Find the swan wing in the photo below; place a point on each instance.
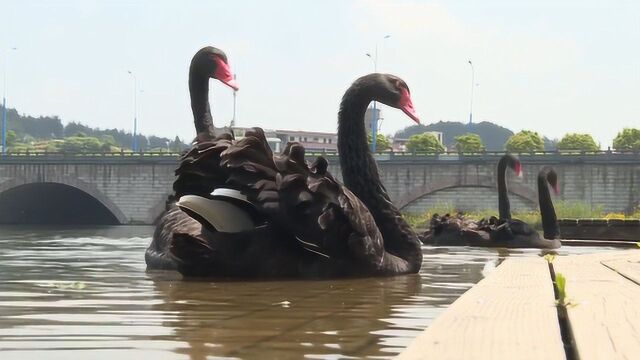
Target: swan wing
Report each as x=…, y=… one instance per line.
x=222, y=215
x=305, y=199
x=199, y=172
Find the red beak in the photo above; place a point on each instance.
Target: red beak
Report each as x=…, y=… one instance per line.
x=224, y=74
x=406, y=105
x=556, y=189
x=518, y=169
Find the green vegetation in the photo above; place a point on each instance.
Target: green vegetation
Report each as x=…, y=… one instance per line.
x=422, y=220
x=581, y=142
x=81, y=143
x=525, y=141
x=382, y=143
x=561, y=286
x=469, y=143
x=577, y=210
x=11, y=137
x=46, y=133
x=424, y=142
x=564, y=210
x=493, y=136
x=627, y=139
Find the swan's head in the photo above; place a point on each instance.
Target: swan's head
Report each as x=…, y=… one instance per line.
x=513, y=163
x=212, y=62
x=392, y=91
x=552, y=179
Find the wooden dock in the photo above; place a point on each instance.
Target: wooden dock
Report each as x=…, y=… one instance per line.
x=514, y=312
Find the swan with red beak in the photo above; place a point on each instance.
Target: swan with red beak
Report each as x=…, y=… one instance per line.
x=406, y=105
x=224, y=74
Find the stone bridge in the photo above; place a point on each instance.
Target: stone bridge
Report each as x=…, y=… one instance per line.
x=119, y=189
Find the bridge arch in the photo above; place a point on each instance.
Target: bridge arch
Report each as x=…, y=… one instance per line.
x=451, y=182
x=67, y=185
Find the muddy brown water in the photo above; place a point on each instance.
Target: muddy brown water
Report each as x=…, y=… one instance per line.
x=84, y=293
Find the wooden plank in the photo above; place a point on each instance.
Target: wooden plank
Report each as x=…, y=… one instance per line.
x=628, y=267
x=511, y=314
x=605, y=315
x=600, y=256
x=616, y=243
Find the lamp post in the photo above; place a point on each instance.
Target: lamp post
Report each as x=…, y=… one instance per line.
x=235, y=93
x=374, y=115
x=134, y=145
x=471, y=101
x=4, y=101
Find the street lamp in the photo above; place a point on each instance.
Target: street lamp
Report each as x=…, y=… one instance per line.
x=235, y=92
x=134, y=145
x=471, y=103
x=374, y=115
x=4, y=101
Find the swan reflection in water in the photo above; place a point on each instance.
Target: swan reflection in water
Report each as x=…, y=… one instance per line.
x=345, y=317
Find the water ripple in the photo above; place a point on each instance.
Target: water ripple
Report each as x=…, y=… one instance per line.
x=84, y=293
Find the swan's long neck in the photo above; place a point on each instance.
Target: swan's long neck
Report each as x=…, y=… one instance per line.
x=547, y=212
x=199, y=91
x=359, y=168
x=360, y=175
x=504, y=207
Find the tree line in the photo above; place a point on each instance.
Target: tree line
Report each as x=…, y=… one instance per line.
x=47, y=133
x=493, y=135
x=525, y=141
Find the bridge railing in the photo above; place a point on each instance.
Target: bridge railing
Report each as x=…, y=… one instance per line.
x=101, y=154
x=546, y=156
x=543, y=156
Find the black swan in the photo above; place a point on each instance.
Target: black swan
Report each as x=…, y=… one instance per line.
x=504, y=231
x=550, y=227
x=306, y=223
x=208, y=62
x=514, y=233
x=457, y=230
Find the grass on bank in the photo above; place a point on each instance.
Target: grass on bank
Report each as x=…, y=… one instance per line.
x=564, y=210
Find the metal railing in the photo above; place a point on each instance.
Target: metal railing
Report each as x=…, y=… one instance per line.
x=91, y=154
x=542, y=156
x=546, y=156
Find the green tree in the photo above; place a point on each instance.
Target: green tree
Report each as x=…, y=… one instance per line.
x=176, y=145
x=11, y=137
x=382, y=143
x=469, y=143
x=583, y=142
x=424, y=142
x=107, y=139
x=493, y=136
x=108, y=143
x=627, y=139
x=22, y=147
x=81, y=143
x=525, y=141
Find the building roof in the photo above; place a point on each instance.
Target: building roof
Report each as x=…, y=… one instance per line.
x=303, y=132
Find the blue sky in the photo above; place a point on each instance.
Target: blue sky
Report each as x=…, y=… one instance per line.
x=550, y=66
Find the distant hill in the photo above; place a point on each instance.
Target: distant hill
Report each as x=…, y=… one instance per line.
x=29, y=128
x=43, y=127
x=493, y=136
